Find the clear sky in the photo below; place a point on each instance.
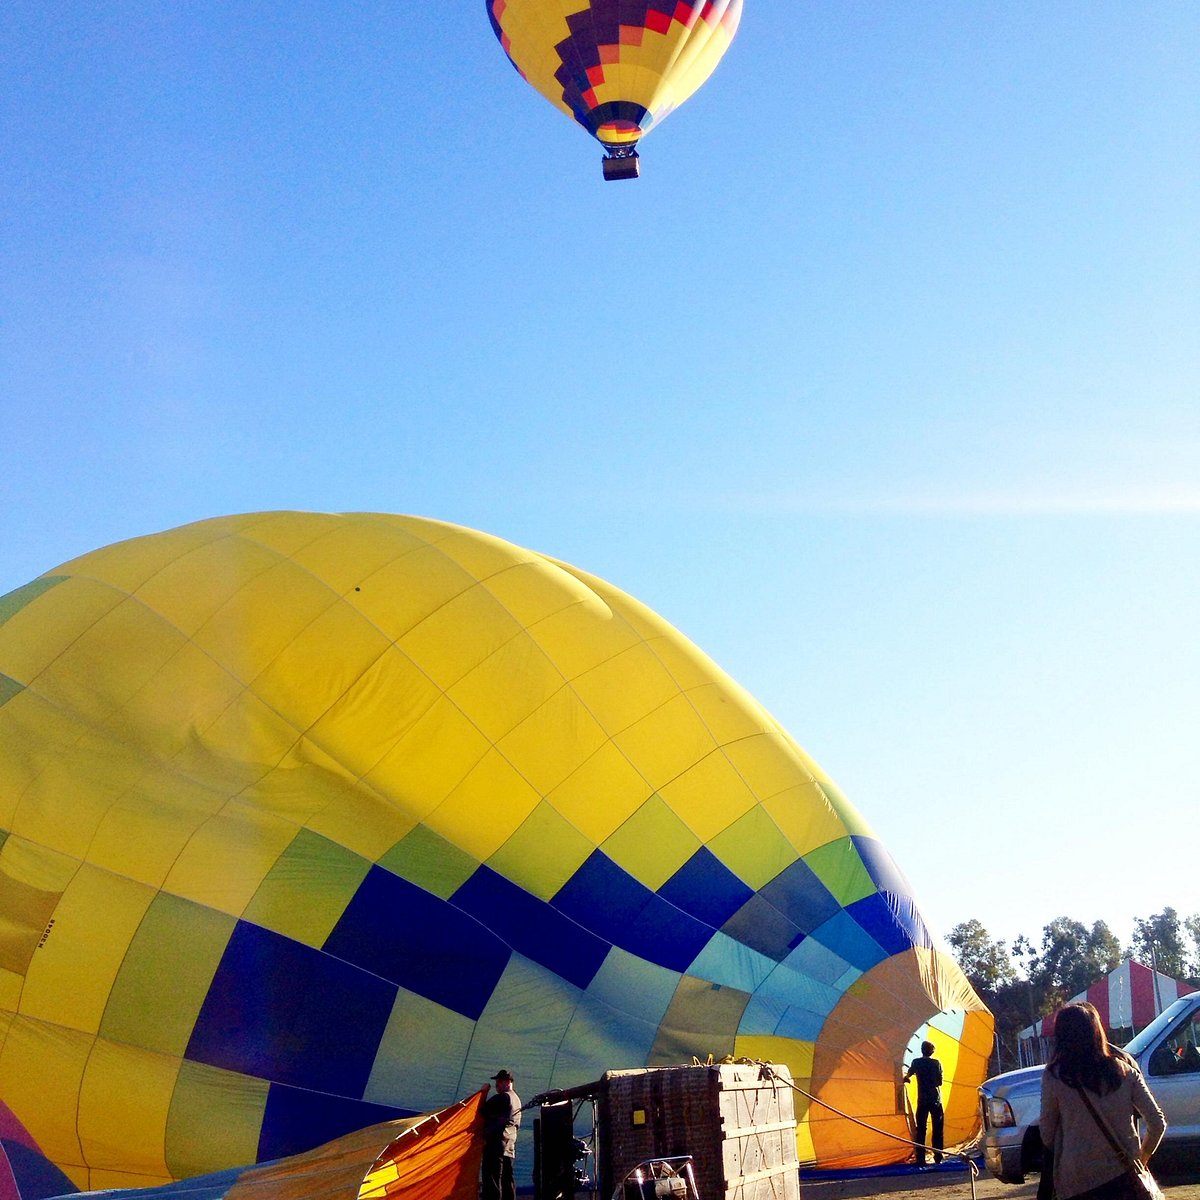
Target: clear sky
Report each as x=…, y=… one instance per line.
x=882, y=383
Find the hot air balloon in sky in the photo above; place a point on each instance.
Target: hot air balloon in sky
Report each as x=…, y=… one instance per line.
x=618, y=67
x=310, y=821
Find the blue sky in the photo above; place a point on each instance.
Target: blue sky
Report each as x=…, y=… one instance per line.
x=882, y=383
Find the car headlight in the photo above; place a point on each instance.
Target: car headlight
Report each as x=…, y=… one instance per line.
x=999, y=1112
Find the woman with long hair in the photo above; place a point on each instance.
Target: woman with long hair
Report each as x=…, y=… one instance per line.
x=1092, y=1097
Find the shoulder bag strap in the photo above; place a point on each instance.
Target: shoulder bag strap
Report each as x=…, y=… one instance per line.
x=1118, y=1149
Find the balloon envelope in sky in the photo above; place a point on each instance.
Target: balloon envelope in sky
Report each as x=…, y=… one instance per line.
x=618, y=67
x=309, y=821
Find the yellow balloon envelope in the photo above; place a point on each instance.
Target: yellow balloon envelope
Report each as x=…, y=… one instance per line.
x=617, y=67
x=311, y=821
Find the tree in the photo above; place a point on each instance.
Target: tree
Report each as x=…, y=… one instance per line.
x=1158, y=942
x=1070, y=959
x=1192, y=924
x=985, y=963
x=988, y=965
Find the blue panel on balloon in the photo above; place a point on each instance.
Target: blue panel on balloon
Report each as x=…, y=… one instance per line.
x=760, y=1017
x=418, y=940
x=731, y=963
x=800, y=896
x=881, y=866
x=35, y=1175
x=762, y=927
x=610, y=902
x=296, y=1120
x=705, y=888
x=885, y=925
x=532, y=927
x=281, y=1010
x=847, y=939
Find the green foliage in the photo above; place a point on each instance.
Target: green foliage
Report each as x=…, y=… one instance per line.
x=1067, y=960
x=1160, y=941
x=987, y=964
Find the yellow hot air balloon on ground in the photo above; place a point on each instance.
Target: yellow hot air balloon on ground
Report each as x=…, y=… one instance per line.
x=309, y=821
x=618, y=67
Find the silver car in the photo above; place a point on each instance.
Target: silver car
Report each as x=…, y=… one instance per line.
x=1167, y=1050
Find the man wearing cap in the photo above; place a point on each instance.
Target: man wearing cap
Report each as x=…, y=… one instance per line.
x=501, y=1116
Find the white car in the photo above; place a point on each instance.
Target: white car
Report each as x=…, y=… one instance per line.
x=1167, y=1050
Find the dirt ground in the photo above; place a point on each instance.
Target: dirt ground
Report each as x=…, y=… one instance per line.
x=955, y=1184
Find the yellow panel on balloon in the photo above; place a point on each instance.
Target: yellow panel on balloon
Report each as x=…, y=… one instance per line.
x=32, y=641
x=608, y=773
x=709, y=796
x=400, y=595
x=582, y=637
x=190, y=588
x=806, y=817
x=794, y=1054
x=667, y=741
x=358, y=818
x=430, y=761
x=129, y=1141
x=765, y=761
x=240, y=745
x=549, y=744
x=187, y=692
x=644, y=686
x=53, y=811
x=371, y=716
x=229, y=856
x=726, y=714
x=35, y=865
x=535, y=591
x=346, y=558
x=85, y=675
x=72, y=974
x=255, y=627
x=19, y=717
x=320, y=665
x=41, y=1067
x=457, y=637
x=146, y=828
x=507, y=687
x=484, y=811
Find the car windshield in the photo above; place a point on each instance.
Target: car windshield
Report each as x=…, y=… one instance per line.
x=1137, y=1044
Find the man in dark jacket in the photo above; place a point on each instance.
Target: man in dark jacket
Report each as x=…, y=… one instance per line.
x=501, y=1117
x=928, y=1072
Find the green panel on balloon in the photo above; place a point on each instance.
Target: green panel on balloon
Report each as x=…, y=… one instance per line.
x=177, y=941
x=543, y=853
x=9, y=688
x=840, y=868
x=652, y=844
x=14, y=601
x=754, y=848
x=308, y=888
x=421, y=1053
x=430, y=861
x=195, y=1143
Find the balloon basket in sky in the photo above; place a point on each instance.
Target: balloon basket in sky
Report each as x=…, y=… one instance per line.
x=616, y=67
x=622, y=165
x=310, y=821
